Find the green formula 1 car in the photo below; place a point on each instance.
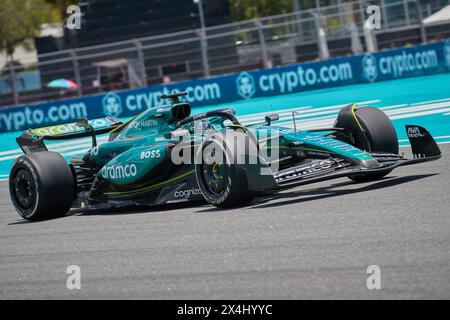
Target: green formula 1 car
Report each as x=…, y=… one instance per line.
x=165, y=155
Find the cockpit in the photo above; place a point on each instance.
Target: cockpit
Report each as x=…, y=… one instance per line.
x=144, y=125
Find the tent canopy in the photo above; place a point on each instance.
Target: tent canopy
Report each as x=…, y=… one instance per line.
x=116, y=63
x=440, y=16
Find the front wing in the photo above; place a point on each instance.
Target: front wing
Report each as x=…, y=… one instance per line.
x=423, y=146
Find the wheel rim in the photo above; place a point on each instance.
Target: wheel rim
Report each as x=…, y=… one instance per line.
x=24, y=189
x=214, y=176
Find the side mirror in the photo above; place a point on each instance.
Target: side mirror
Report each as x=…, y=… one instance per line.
x=271, y=118
x=84, y=123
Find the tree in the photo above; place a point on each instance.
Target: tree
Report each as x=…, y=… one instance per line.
x=20, y=20
x=251, y=9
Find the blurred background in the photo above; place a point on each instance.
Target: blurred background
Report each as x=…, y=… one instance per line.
x=126, y=44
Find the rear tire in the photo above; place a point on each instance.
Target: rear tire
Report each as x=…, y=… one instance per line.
x=223, y=185
x=377, y=135
x=41, y=186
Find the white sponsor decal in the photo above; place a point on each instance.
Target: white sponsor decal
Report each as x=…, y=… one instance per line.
x=151, y=154
x=33, y=117
x=289, y=81
x=187, y=193
x=112, y=106
x=70, y=128
x=149, y=123
x=198, y=93
x=94, y=151
x=119, y=172
x=307, y=169
x=414, y=132
x=398, y=64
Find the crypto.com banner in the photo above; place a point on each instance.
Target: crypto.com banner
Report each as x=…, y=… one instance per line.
x=371, y=67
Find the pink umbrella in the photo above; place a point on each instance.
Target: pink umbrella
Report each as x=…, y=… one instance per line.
x=62, y=84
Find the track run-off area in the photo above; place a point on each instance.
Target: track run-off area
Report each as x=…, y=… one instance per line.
x=424, y=101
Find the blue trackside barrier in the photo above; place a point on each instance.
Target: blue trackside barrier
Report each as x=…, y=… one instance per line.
x=387, y=65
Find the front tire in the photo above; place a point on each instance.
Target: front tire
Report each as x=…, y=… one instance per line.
x=223, y=183
x=41, y=186
x=372, y=131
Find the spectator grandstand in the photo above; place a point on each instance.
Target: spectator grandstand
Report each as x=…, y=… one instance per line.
x=129, y=44
x=106, y=21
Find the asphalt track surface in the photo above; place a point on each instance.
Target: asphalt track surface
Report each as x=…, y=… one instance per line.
x=306, y=243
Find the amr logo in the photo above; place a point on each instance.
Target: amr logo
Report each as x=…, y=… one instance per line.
x=414, y=132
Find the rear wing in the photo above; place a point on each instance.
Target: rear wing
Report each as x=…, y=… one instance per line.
x=32, y=140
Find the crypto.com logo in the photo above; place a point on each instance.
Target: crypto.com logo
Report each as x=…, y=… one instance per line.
x=112, y=105
x=369, y=67
x=447, y=53
x=74, y=20
x=246, y=86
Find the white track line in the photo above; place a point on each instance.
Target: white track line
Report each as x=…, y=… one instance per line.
x=430, y=101
x=326, y=117
x=329, y=120
x=85, y=142
x=400, y=109
x=75, y=151
x=419, y=114
x=420, y=108
x=300, y=110
x=3, y=153
x=57, y=147
x=393, y=114
x=254, y=115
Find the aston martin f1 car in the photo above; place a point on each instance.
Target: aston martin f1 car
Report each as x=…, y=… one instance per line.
x=165, y=155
